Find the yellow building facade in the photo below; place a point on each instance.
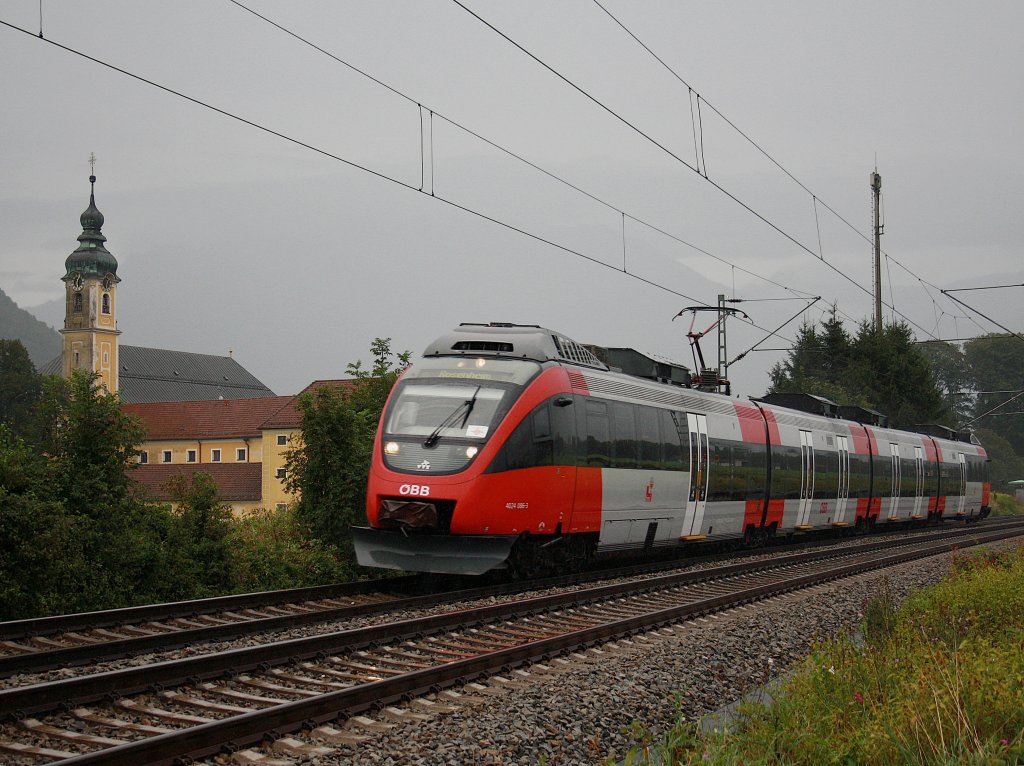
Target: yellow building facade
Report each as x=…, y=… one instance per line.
x=241, y=443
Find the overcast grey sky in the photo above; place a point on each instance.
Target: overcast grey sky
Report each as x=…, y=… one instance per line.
x=230, y=238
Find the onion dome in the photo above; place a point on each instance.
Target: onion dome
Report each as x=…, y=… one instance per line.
x=91, y=257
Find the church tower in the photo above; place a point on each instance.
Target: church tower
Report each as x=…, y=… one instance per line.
x=90, y=316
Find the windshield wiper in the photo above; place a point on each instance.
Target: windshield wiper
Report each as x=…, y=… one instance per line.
x=463, y=409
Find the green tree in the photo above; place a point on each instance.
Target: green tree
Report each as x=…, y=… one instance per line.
x=20, y=386
x=996, y=364
x=199, y=549
x=90, y=447
x=949, y=365
x=886, y=372
x=41, y=548
x=896, y=376
x=819, y=364
x=1006, y=464
x=328, y=469
x=91, y=444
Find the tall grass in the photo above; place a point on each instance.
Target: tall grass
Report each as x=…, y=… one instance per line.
x=940, y=680
x=1006, y=505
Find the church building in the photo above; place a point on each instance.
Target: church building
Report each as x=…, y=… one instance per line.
x=201, y=412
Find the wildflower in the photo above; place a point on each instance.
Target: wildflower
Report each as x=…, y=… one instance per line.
x=859, y=698
x=1004, y=742
x=832, y=669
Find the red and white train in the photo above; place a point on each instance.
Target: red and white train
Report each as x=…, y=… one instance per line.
x=514, y=446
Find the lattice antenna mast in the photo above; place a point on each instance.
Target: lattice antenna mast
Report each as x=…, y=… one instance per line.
x=878, y=226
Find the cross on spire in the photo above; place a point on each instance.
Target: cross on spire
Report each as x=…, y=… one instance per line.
x=92, y=164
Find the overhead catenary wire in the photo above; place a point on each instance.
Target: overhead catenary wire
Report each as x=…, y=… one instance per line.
x=350, y=163
x=518, y=157
x=429, y=140
x=694, y=168
x=817, y=200
x=979, y=313
x=624, y=215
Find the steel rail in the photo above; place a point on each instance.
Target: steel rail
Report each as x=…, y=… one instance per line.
x=249, y=728
x=23, y=700
x=112, y=618
x=16, y=629
x=87, y=653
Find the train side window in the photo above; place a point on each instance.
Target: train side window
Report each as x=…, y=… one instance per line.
x=598, y=445
x=563, y=432
x=721, y=487
x=541, y=423
x=649, y=438
x=624, y=446
x=529, y=445
x=675, y=441
x=860, y=475
x=787, y=474
x=826, y=480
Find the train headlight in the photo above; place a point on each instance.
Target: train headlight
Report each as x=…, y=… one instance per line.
x=481, y=362
x=391, y=448
x=471, y=452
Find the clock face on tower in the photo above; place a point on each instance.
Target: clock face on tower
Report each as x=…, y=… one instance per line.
x=76, y=282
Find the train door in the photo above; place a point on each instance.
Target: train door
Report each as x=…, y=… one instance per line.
x=962, y=502
x=843, y=447
x=803, y=518
x=698, y=497
x=894, y=495
x=919, y=491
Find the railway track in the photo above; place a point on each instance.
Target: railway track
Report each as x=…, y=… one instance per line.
x=42, y=644
x=195, y=707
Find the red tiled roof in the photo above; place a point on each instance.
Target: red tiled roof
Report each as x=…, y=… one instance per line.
x=289, y=416
x=219, y=418
x=235, y=481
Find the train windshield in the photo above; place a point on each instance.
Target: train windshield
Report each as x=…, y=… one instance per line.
x=461, y=398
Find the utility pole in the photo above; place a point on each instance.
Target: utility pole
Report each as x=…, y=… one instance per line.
x=876, y=197
x=723, y=357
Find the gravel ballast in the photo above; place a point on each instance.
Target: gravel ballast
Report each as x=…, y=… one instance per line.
x=580, y=711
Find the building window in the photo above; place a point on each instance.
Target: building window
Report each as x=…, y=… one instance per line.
x=167, y=456
x=282, y=473
x=240, y=454
x=76, y=360
x=78, y=303
x=282, y=439
x=215, y=456
x=190, y=456
x=143, y=457
x=106, y=303
x=281, y=506
x=106, y=359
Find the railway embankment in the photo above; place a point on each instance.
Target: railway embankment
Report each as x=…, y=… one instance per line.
x=938, y=678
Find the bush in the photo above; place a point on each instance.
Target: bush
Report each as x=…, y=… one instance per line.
x=270, y=550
